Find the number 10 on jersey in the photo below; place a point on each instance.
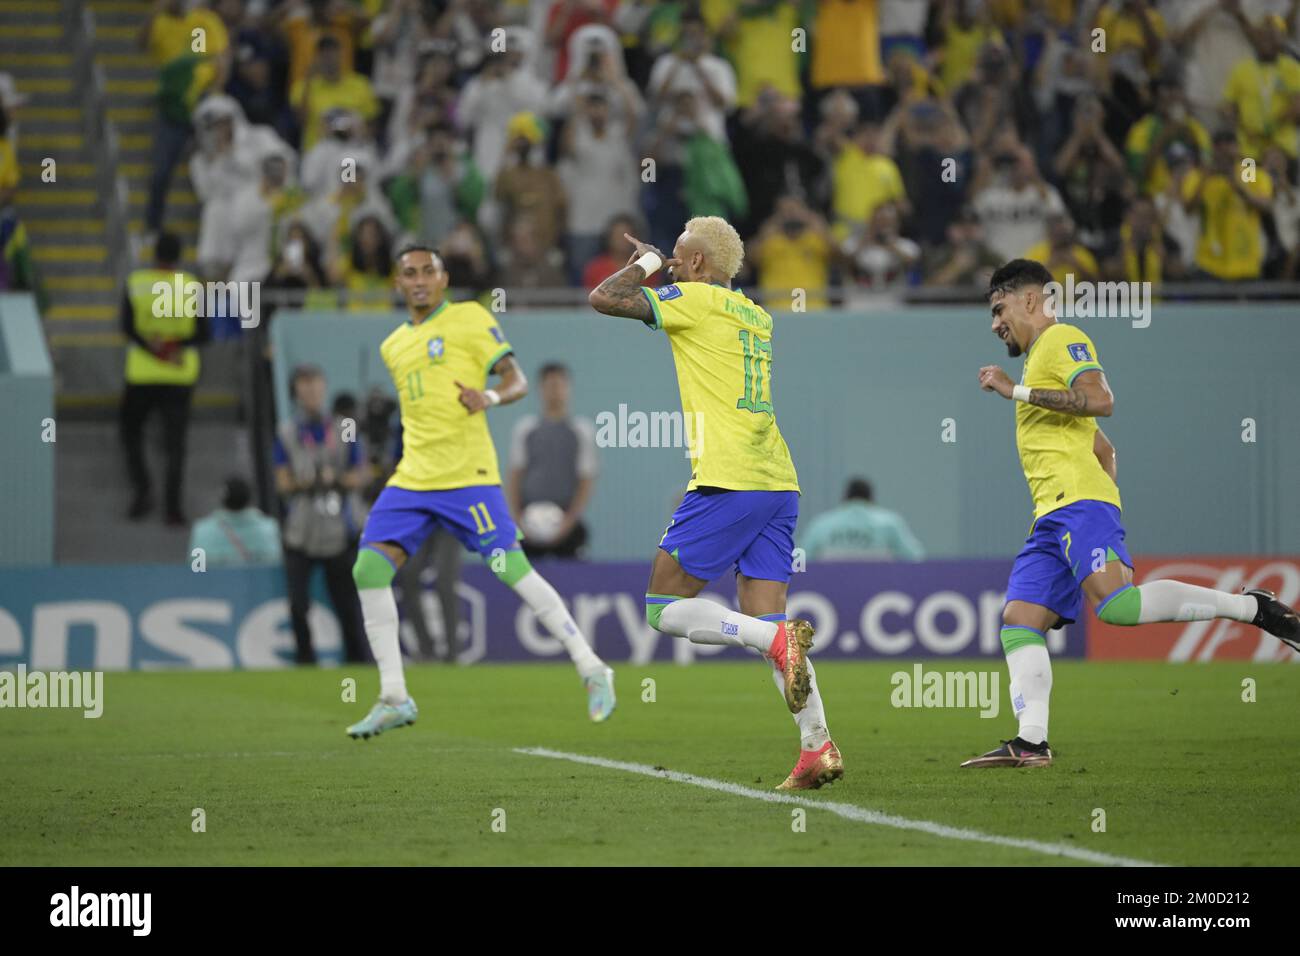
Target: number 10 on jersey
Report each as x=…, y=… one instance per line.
x=758, y=369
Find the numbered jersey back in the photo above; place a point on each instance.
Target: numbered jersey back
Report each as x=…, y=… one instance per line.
x=722, y=347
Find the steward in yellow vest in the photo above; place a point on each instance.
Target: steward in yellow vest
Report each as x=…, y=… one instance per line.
x=155, y=354
x=162, y=367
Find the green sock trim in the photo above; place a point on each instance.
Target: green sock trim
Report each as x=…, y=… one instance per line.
x=654, y=607
x=653, y=612
x=1014, y=638
x=372, y=570
x=517, y=566
x=1124, y=608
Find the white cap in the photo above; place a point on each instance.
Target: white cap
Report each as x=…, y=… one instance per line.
x=9, y=95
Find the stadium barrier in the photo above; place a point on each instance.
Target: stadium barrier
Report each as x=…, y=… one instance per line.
x=838, y=297
x=168, y=617
x=28, y=433
x=1206, y=397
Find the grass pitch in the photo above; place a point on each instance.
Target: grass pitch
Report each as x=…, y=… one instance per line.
x=1186, y=772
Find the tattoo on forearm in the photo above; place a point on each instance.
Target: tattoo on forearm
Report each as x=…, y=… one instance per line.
x=1073, y=401
x=622, y=291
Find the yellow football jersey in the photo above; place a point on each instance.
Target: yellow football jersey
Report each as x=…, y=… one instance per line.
x=1055, y=448
x=1231, y=244
x=443, y=446
x=722, y=347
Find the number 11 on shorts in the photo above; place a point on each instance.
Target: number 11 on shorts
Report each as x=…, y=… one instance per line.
x=482, y=520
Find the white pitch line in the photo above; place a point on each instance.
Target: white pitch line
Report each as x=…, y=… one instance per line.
x=848, y=811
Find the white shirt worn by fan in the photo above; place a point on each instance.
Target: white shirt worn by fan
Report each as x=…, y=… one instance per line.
x=672, y=74
x=1217, y=48
x=1015, y=219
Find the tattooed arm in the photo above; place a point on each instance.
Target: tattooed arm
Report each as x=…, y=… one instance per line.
x=1088, y=397
x=621, y=294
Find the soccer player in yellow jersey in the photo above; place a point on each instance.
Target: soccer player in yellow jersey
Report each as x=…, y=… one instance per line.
x=440, y=361
x=1076, y=544
x=741, y=505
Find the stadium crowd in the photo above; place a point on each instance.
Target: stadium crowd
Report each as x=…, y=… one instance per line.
x=859, y=145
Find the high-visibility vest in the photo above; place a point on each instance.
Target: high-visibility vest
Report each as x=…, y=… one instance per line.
x=174, y=322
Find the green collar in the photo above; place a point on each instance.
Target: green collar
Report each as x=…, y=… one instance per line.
x=431, y=315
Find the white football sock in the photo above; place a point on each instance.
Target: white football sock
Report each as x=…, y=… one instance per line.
x=1176, y=601
x=706, y=622
x=811, y=721
x=379, y=611
x=1031, y=689
x=537, y=593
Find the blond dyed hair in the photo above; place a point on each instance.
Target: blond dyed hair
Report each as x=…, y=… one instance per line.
x=724, y=249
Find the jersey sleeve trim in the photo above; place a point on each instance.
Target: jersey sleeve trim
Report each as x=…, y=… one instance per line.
x=654, y=307
x=1090, y=367
x=498, y=355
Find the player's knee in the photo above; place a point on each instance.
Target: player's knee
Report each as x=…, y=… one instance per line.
x=653, y=612
x=372, y=570
x=1016, y=636
x=655, y=605
x=510, y=567
x=1123, y=608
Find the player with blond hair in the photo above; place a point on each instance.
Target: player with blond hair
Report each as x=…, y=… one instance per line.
x=741, y=505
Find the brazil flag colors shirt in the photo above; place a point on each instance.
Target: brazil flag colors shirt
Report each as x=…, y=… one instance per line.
x=443, y=446
x=722, y=347
x=1056, y=450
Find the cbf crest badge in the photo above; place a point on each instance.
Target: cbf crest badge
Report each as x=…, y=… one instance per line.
x=437, y=349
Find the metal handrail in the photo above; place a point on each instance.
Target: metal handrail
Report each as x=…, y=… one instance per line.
x=836, y=297
x=101, y=137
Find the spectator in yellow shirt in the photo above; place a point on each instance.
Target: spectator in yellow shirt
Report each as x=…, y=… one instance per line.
x=191, y=51
x=1133, y=30
x=846, y=44
x=15, y=255
x=1013, y=16
x=1062, y=255
x=302, y=24
x=1263, y=95
x=863, y=179
x=756, y=37
x=9, y=169
x=170, y=32
x=327, y=87
x=1143, y=249
x=1230, y=200
x=366, y=269
x=1148, y=138
x=965, y=27
x=793, y=252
